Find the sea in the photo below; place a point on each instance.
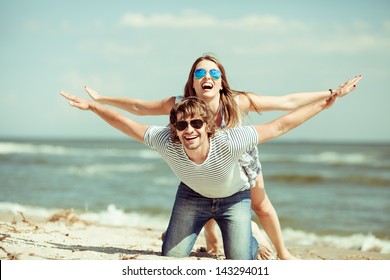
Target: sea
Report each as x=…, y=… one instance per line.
x=325, y=194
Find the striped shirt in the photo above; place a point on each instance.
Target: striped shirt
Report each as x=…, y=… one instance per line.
x=220, y=174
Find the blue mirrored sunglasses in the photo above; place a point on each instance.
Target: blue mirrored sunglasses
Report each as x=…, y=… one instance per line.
x=214, y=73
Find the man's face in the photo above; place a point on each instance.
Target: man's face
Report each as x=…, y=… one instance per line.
x=193, y=136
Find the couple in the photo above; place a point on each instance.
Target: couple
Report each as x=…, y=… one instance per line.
x=207, y=76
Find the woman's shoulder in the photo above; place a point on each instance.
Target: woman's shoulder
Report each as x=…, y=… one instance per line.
x=178, y=98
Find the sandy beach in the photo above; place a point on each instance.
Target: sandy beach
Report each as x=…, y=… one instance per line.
x=65, y=236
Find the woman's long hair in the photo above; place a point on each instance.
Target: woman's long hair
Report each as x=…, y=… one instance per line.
x=231, y=112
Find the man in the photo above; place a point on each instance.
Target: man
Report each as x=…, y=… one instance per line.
x=207, y=162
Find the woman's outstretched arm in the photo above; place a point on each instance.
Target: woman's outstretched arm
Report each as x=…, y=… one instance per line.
x=302, y=114
x=133, y=105
x=291, y=101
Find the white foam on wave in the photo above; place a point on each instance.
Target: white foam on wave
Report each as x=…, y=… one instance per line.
x=15, y=209
x=115, y=216
x=23, y=148
x=335, y=158
x=110, y=216
x=323, y=157
x=104, y=169
x=358, y=241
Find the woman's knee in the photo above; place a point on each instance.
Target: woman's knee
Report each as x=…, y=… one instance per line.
x=260, y=202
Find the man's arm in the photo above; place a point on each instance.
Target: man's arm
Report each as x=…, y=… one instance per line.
x=128, y=126
x=297, y=117
x=291, y=120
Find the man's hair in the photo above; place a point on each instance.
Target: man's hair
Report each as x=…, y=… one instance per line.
x=189, y=108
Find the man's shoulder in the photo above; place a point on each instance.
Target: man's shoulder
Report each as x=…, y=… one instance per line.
x=157, y=133
x=155, y=129
x=236, y=130
x=236, y=134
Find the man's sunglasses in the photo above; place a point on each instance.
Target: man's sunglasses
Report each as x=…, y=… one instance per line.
x=181, y=125
x=214, y=73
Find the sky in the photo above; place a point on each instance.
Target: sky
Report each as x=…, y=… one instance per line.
x=144, y=49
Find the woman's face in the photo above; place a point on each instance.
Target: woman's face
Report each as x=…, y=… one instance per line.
x=207, y=86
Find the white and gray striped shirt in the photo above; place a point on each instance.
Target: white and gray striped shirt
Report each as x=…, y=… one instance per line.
x=220, y=174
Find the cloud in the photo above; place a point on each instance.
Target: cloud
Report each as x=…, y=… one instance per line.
x=346, y=45
x=194, y=19
x=386, y=25
x=74, y=79
x=34, y=26
x=113, y=50
x=185, y=20
x=277, y=34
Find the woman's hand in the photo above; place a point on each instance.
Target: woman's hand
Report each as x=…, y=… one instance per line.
x=347, y=87
x=76, y=101
x=93, y=94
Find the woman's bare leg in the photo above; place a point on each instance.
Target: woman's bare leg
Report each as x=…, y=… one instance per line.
x=212, y=237
x=265, y=250
x=269, y=218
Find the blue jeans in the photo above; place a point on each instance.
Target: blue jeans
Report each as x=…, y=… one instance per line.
x=190, y=213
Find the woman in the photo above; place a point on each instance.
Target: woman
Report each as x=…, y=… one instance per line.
x=229, y=107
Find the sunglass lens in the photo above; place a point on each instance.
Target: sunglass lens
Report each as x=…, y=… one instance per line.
x=196, y=124
x=199, y=73
x=215, y=74
x=181, y=125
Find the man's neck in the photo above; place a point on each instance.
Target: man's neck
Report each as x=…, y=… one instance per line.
x=200, y=154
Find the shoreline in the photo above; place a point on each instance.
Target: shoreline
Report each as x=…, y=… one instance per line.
x=64, y=236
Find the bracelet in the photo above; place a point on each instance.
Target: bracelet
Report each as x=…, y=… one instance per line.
x=331, y=94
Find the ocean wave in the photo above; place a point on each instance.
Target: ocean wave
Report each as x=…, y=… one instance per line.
x=110, y=216
x=57, y=150
x=104, y=169
x=376, y=160
x=358, y=241
x=15, y=209
x=20, y=148
x=296, y=178
x=115, y=216
x=328, y=158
